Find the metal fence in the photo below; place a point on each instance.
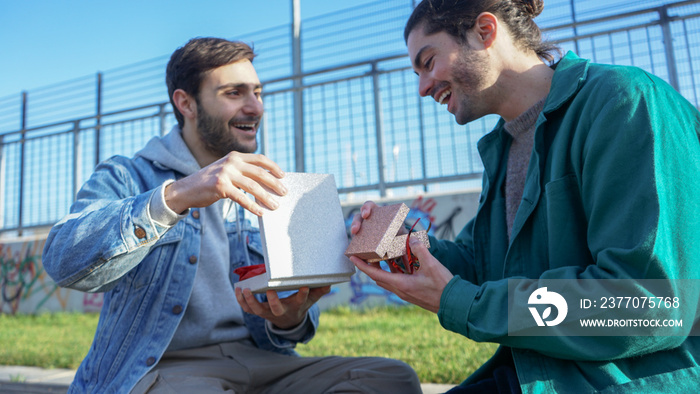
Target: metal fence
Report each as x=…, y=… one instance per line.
x=362, y=119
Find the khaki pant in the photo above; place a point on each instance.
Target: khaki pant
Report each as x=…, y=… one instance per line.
x=240, y=367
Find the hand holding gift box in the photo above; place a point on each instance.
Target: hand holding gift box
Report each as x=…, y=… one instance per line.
x=379, y=239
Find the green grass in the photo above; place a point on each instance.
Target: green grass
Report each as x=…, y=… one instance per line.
x=58, y=340
x=409, y=333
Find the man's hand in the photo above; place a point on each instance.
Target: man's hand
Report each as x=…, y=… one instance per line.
x=423, y=288
x=229, y=177
x=284, y=313
x=365, y=211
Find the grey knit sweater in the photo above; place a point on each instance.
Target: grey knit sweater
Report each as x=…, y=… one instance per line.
x=522, y=129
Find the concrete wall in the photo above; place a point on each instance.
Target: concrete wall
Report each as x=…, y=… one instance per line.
x=25, y=288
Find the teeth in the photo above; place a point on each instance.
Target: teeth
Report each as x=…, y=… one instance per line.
x=242, y=126
x=443, y=96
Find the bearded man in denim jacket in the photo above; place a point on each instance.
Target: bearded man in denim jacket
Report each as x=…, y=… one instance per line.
x=590, y=176
x=161, y=234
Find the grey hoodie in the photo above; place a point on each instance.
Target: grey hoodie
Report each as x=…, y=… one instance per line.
x=212, y=314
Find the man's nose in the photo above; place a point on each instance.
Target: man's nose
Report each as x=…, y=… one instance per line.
x=253, y=106
x=425, y=84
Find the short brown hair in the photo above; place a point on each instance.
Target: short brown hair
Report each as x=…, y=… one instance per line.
x=189, y=64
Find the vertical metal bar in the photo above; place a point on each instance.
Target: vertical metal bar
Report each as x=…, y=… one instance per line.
x=690, y=63
x=262, y=146
x=77, y=154
x=395, y=147
x=379, y=129
x=98, y=118
x=436, y=116
x=324, y=121
x=453, y=138
x=3, y=185
x=351, y=137
x=161, y=118
x=298, y=90
x=22, y=160
x=421, y=131
x=668, y=46
x=651, y=51
x=573, y=19
x=630, y=47
x=338, y=128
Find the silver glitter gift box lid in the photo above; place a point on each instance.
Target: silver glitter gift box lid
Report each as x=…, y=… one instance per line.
x=304, y=239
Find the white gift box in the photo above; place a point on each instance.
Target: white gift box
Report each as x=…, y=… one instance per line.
x=303, y=241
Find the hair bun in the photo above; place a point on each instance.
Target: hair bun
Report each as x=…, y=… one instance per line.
x=533, y=7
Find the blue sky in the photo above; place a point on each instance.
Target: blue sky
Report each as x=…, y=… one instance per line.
x=45, y=42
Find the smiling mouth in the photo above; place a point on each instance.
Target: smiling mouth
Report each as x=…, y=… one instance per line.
x=245, y=126
x=444, y=96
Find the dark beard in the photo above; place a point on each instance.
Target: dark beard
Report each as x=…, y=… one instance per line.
x=468, y=73
x=217, y=138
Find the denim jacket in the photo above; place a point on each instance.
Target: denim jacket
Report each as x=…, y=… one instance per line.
x=109, y=243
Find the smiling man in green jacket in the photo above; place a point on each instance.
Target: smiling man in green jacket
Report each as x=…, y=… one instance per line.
x=591, y=175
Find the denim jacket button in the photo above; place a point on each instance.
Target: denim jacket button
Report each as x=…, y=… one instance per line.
x=150, y=361
x=140, y=233
x=195, y=214
x=177, y=309
x=193, y=259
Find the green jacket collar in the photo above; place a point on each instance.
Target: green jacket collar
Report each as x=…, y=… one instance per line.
x=569, y=69
x=569, y=76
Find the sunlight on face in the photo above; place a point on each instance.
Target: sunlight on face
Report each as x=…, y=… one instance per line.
x=453, y=74
x=229, y=109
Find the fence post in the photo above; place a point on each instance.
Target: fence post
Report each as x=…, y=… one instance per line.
x=77, y=153
x=98, y=118
x=573, y=19
x=298, y=88
x=668, y=46
x=3, y=186
x=161, y=119
x=421, y=129
x=379, y=128
x=21, y=161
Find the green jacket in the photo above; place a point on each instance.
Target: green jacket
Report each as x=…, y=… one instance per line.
x=612, y=191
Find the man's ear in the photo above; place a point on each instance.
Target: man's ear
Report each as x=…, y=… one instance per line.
x=486, y=28
x=185, y=104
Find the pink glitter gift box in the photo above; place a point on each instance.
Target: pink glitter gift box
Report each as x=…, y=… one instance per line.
x=378, y=238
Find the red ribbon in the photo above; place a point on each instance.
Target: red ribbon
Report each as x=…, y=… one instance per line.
x=249, y=271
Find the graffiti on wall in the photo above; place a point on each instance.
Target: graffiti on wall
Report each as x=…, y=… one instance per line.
x=26, y=288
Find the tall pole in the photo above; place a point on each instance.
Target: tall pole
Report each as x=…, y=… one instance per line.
x=22, y=161
x=298, y=92
x=665, y=20
x=98, y=118
x=573, y=19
